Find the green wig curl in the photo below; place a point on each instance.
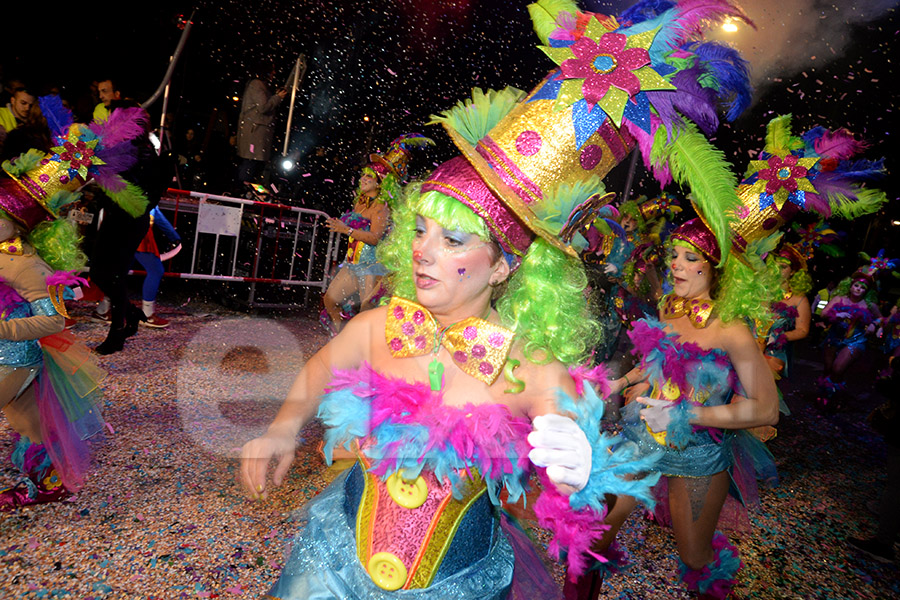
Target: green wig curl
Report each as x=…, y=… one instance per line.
x=747, y=293
x=801, y=283
x=544, y=301
x=57, y=242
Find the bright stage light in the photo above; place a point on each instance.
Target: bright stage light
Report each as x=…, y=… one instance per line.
x=729, y=26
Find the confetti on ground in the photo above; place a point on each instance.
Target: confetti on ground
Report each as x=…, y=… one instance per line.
x=162, y=517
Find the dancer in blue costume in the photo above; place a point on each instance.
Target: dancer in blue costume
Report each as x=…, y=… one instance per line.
x=461, y=387
x=851, y=314
x=49, y=381
x=366, y=224
x=421, y=390
x=708, y=380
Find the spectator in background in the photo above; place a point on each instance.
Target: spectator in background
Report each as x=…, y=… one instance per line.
x=151, y=258
x=16, y=112
x=86, y=102
x=32, y=132
x=119, y=234
x=255, y=132
x=108, y=92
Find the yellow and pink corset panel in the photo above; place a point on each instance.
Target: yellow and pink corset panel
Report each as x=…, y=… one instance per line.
x=406, y=529
x=427, y=472
x=430, y=476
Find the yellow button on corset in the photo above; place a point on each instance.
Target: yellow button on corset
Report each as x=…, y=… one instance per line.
x=671, y=392
x=387, y=571
x=408, y=494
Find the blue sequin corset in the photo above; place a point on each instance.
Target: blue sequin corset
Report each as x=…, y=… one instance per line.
x=683, y=373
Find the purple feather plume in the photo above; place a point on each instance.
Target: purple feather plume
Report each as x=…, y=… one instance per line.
x=732, y=73
x=696, y=15
x=59, y=118
x=124, y=124
x=838, y=144
x=694, y=101
x=118, y=158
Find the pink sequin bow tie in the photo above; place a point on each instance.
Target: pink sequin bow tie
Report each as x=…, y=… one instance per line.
x=697, y=310
x=477, y=347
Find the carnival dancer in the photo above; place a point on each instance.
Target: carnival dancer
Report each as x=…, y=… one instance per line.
x=700, y=359
x=709, y=380
x=48, y=380
x=791, y=313
x=852, y=314
x=629, y=67
x=889, y=334
x=365, y=225
x=424, y=383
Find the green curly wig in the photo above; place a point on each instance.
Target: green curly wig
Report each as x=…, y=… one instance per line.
x=543, y=301
x=632, y=208
x=799, y=282
x=57, y=242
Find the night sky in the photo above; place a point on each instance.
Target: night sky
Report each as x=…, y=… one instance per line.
x=379, y=69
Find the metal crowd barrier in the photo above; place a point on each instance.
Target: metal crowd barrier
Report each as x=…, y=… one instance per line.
x=250, y=241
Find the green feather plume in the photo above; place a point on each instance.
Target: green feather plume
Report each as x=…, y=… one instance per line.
x=475, y=117
x=544, y=14
x=61, y=198
x=132, y=199
x=866, y=202
x=831, y=250
x=757, y=250
x=23, y=163
x=559, y=203
x=694, y=162
x=779, y=140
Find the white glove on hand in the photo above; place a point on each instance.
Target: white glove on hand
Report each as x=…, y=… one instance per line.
x=561, y=446
x=610, y=269
x=656, y=415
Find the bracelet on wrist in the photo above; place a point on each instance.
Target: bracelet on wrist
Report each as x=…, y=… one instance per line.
x=625, y=377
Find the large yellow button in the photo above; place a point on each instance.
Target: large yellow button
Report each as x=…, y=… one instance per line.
x=387, y=571
x=408, y=494
x=670, y=390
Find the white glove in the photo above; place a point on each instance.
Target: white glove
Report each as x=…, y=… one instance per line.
x=657, y=414
x=561, y=446
x=610, y=269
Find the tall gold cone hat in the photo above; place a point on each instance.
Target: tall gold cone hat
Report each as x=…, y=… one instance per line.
x=533, y=150
x=546, y=156
x=807, y=173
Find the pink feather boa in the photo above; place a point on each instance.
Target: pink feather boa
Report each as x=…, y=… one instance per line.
x=480, y=434
x=574, y=531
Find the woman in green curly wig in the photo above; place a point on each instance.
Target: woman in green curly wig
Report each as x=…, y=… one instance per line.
x=704, y=384
x=791, y=313
x=543, y=301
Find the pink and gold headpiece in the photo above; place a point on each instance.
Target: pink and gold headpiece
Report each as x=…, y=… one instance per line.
x=544, y=155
